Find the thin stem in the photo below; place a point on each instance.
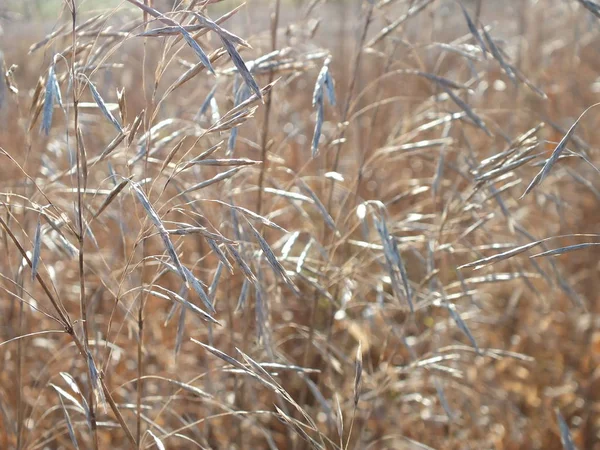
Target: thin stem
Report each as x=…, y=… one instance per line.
x=265, y=129
x=20, y=379
x=140, y=316
x=81, y=235
x=351, y=87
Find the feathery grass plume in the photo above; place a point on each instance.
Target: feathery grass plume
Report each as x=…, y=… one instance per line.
x=155, y=219
x=241, y=67
x=48, y=38
x=49, y=100
x=320, y=206
x=468, y=111
x=318, y=127
x=497, y=54
x=272, y=260
x=110, y=148
x=58, y=95
x=543, y=173
x=523, y=79
x=122, y=101
x=217, y=178
x=137, y=122
x=242, y=263
x=37, y=247
x=393, y=260
x=102, y=105
x=191, y=73
x=450, y=84
x=324, y=83
x=197, y=287
x=240, y=94
x=111, y=196
x=223, y=33
x=152, y=215
x=473, y=29
x=402, y=268
x=220, y=253
x=498, y=171
x=246, y=100
x=184, y=33
x=212, y=289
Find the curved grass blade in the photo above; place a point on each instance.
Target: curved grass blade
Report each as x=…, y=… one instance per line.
x=157, y=441
x=170, y=295
x=272, y=260
x=543, y=173
x=37, y=247
x=567, y=249
x=69, y=424
x=186, y=35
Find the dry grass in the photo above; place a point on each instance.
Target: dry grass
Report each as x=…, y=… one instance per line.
x=324, y=246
